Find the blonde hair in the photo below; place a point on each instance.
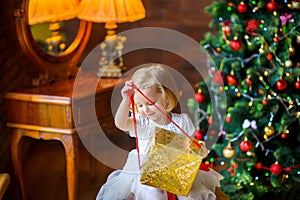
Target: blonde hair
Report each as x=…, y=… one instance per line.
x=158, y=77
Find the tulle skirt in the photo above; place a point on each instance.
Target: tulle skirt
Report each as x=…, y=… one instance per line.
x=125, y=185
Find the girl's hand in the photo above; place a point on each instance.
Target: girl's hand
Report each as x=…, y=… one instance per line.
x=204, y=151
x=127, y=90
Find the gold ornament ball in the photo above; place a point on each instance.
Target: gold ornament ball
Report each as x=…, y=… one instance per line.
x=295, y=5
x=250, y=153
x=298, y=39
x=261, y=50
x=288, y=63
x=269, y=130
x=228, y=152
x=292, y=50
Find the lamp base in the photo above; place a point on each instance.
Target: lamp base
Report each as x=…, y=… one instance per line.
x=111, y=60
x=111, y=71
x=55, y=43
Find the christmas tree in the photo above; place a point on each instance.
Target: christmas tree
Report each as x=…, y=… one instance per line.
x=255, y=49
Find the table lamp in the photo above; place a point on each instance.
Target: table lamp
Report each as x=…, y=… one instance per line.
x=52, y=11
x=111, y=12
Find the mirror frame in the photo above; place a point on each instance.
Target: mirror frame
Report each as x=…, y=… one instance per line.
x=51, y=67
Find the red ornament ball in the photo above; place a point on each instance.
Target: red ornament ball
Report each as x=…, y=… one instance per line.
x=276, y=39
x=281, y=85
x=210, y=120
x=242, y=7
x=258, y=165
x=265, y=101
x=276, y=169
x=218, y=77
x=226, y=30
x=297, y=85
x=231, y=79
x=252, y=25
x=248, y=80
x=200, y=97
x=260, y=91
x=236, y=45
x=212, y=132
x=245, y=145
x=228, y=119
x=270, y=56
x=272, y=6
x=283, y=135
x=227, y=23
x=199, y=135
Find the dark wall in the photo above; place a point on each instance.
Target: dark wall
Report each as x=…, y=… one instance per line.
x=185, y=16
x=14, y=71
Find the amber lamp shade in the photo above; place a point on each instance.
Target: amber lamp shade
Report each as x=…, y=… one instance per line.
x=111, y=12
x=41, y=11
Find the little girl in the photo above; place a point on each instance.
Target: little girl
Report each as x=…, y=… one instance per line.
x=158, y=85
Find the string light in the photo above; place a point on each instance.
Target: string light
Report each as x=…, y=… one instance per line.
x=262, y=86
x=266, y=174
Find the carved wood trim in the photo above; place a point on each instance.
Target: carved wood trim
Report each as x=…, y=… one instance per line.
x=51, y=68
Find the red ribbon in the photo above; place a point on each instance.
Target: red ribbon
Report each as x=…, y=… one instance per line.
x=171, y=196
x=260, y=166
x=232, y=168
x=135, y=128
x=205, y=167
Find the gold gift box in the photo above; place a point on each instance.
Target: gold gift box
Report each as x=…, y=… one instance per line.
x=172, y=164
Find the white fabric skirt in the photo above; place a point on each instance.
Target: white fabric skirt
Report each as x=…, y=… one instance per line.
x=125, y=185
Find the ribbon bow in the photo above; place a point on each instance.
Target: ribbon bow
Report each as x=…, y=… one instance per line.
x=247, y=124
x=286, y=18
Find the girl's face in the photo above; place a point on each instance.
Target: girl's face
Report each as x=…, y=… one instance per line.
x=146, y=109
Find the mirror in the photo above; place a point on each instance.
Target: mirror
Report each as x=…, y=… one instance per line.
x=55, y=38
x=51, y=67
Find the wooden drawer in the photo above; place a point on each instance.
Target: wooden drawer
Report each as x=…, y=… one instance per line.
x=45, y=114
x=51, y=105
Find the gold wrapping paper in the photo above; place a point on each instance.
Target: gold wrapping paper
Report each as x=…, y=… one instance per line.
x=172, y=163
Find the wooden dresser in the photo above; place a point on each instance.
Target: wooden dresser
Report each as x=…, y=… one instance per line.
x=46, y=113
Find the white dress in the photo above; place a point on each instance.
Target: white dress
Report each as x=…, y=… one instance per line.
x=125, y=184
